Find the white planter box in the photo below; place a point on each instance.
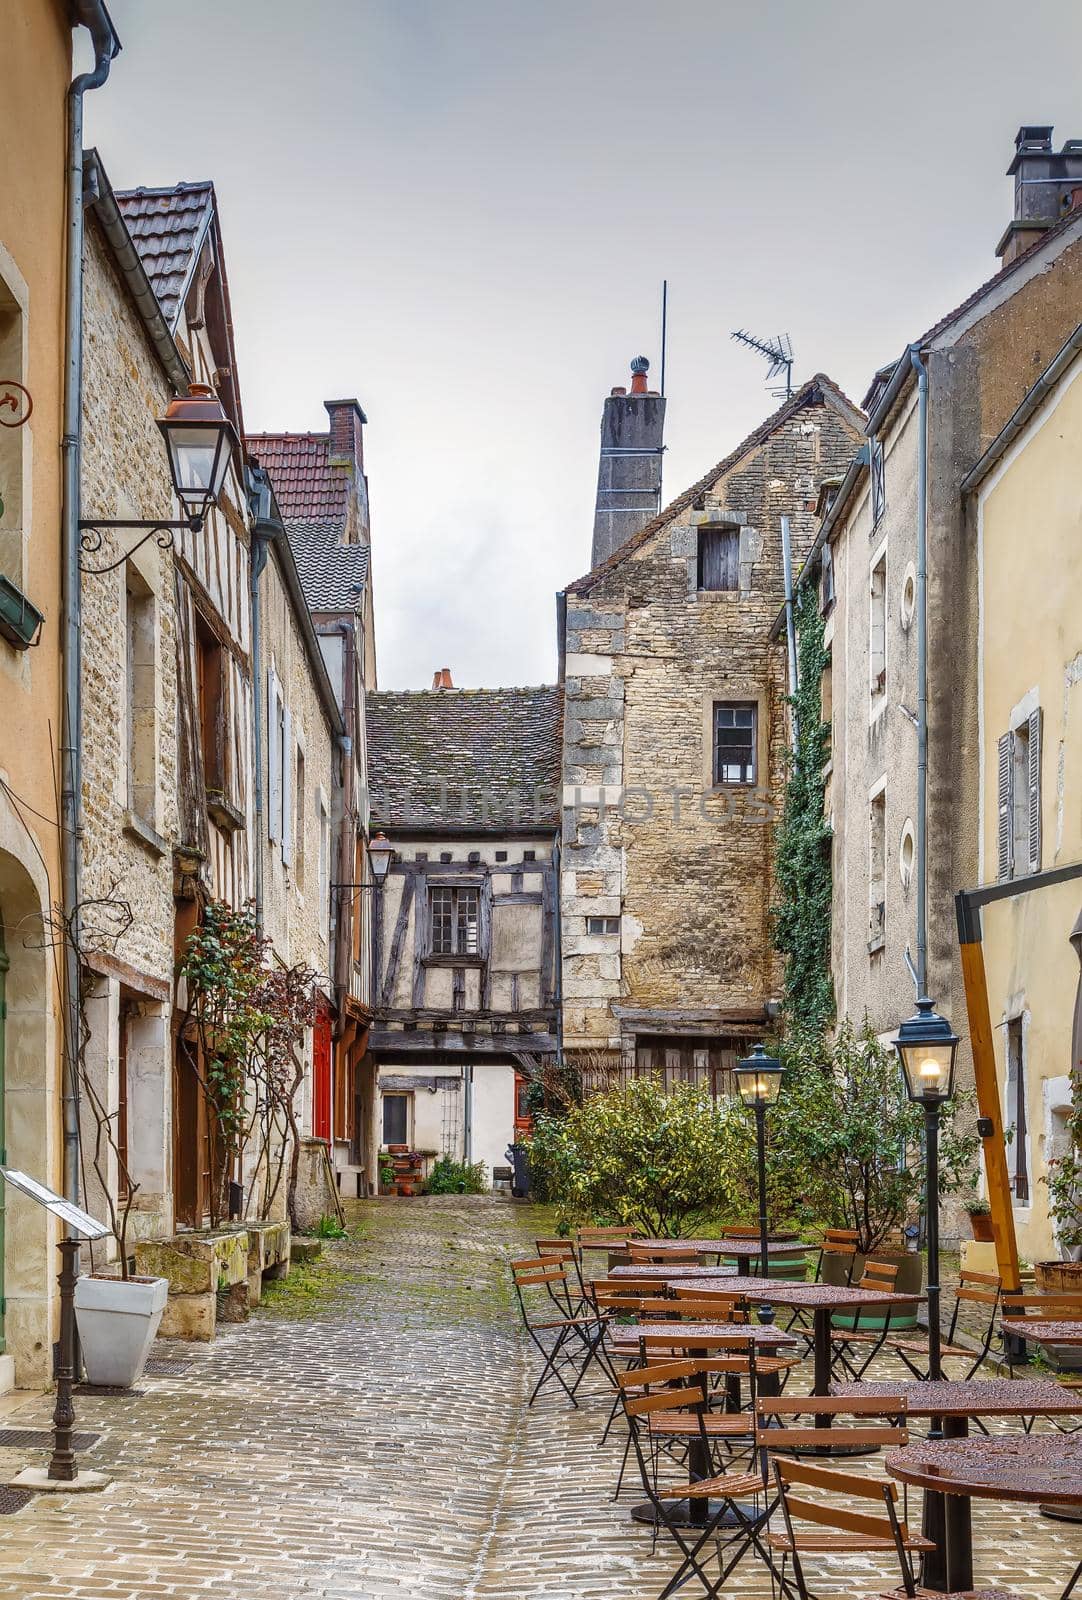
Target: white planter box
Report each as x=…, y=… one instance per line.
x=117, y=1322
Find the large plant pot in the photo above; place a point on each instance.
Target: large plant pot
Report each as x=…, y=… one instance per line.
x=1058, y=1276
x=117, y=1321
x=910, y=1280
x=982, y=1226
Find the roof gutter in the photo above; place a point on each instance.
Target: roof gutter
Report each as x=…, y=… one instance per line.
x=99, y=194
x=90, y=14
x=901, y=376
x=1029, y=404
x=916, y=365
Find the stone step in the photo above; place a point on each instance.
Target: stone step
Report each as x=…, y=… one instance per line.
x=305, y=1249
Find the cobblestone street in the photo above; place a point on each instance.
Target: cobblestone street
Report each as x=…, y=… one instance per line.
x=364, y=1436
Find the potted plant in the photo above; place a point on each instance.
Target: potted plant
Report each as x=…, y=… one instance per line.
x=980, y=1220
x=1064, y=1180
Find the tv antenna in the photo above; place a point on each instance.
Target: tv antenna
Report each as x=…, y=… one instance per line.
x=779, y=353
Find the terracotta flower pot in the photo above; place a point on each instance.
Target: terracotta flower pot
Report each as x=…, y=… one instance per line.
x=1061, y=1276
x=981, y=1224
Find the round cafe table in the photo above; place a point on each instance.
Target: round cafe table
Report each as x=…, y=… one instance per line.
x=947, y=1519
x=1033, y=1469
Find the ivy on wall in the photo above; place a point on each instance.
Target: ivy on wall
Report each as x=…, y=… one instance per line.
x=801, y=913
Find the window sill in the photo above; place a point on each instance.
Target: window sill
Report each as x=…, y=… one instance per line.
x=452, y=960
x=223, y=812
x=722, y=594
x=143, y=834
x=876, y=945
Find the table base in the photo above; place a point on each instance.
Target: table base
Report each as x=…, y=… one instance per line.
x=692, y=1514
x=1062, y=1513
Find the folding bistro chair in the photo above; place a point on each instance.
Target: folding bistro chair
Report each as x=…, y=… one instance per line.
x=570, y=1341
x=668, y=1486
x=846, y=1529
x=646, y=1252
x=847, y=1342
x=974, y=1288
x=841, y=1242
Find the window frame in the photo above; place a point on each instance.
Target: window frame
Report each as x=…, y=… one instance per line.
x=877, y=469
x=730, y=566
x=878, y=575
x=749, y=782
x=404, y=1097
x=603, y=933
x=459, y=895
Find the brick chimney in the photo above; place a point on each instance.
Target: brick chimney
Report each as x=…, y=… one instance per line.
x=629, y=474
x=347, y=422
x=1046, y=183
x=441, y=678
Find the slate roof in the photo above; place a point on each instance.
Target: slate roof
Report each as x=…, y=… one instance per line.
x=484, y=758
x=305, y=486
x=167, y=227
x=333, y=575
x=819, y=388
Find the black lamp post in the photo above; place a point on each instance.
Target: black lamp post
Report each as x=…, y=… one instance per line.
x=927, y=1048
x=758, y=1078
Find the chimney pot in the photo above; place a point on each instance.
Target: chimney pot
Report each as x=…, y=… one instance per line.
x=640, y=366
x=441, y=678
x=618, y=390
x=629, y=472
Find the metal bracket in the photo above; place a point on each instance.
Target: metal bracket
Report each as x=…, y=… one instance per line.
x=160, y=529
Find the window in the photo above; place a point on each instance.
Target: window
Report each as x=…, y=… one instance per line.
x=141, y=733
x=877, y=631
x=1019, y=797
x=454, y=915
x=396, y=1119
x=719, y=557
x=281, y=770
x=300, y=814
x=602, y=924
x=1017, y=1152
x=879, y=489
x=210, y=689
x=877, y=871
x=735, y=741
x=324, y=865
x=827, y=594
x=14, y=441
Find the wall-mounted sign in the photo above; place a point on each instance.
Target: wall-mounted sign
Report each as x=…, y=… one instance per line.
x=66, y=1210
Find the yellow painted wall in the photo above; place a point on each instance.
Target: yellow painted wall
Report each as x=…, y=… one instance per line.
x=1030, y=545
x=35, y=70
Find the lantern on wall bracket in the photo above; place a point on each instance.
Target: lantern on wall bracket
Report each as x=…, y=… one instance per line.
x=199, y=444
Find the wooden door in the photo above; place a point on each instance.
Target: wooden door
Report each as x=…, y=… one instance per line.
x=191, y=1140
x=321, y=1074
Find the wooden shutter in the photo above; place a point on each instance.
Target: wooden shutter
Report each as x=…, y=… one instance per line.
x=1006, y=829
x=287, y=786
x=274, y=763
x=1034, y=780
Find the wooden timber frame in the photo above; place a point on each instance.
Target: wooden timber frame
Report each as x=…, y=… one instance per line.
x=968, y=904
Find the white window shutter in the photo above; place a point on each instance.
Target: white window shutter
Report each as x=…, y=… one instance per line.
x=287, y=786
x=1006, y=820
x=274, y=758
x=1034, y=777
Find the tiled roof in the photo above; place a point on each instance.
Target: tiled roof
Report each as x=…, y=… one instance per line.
x=817, y=389
x=305, y=485
x=167, y=227
x=333, y=575
x=465, y=757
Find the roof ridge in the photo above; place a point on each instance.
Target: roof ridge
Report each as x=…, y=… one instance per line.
x=788, y=408
x=185, y=184
x=503, y=688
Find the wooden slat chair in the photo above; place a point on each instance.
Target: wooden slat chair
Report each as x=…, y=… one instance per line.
x=668, y=1391
x=571, y=1340
x=646, y=1253
x=565, y=1251
x=842, y=1242
x=602, y=1239
x=847, y=1342
x=974, y=1288
x=711, y=1304
x=739, y=1363
x=1038, y=1306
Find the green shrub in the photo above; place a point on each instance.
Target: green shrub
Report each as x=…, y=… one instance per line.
x=330, y=1228
x=457, y=1177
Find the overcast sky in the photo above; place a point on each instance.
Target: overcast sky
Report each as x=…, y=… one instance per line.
x=461, y=211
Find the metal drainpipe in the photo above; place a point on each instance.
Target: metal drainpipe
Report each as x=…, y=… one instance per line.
x=92, y=15
x=260, y=545
x=790, y=630
x=922, y=668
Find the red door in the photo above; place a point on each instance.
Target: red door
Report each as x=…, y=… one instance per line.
x=523, y=1115
x=321, y=1074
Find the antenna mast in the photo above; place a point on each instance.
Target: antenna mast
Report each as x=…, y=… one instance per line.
x=778, y=352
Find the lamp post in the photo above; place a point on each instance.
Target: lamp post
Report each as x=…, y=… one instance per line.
x=927, y=1048
x=758, y=1078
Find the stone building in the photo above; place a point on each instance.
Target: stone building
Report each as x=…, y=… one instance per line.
x=673, y=751
x=979, y=361
x=1024, y=526
x=34, y=224
x=320, y=486
x=465, y=785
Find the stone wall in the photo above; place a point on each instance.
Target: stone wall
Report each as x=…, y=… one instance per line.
x=648, y=838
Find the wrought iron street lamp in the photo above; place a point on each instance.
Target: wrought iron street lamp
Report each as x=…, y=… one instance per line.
x=927, y=1048
x=199, y=443
x=380, y=856
x=758, y=1079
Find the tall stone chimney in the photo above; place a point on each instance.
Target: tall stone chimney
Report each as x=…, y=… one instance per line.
x=1046, y=186
x=629, y=475
x=346, y=422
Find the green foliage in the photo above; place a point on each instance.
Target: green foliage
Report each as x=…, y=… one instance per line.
x=635, y=1155
x=329, y=1227
x=1064, y=1178
x=457, y=1177
x=978, y=1208
x=801, y=914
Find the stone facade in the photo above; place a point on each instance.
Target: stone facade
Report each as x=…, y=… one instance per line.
x=666, y=869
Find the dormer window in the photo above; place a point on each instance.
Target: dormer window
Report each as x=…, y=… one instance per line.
x=719, y=556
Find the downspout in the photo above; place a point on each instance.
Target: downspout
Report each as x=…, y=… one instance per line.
x=922, y=669
x=790, y=631
x=558, y=985
x=261, y=537
x=92, y=15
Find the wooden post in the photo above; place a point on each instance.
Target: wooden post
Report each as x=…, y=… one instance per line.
x=987, y=1086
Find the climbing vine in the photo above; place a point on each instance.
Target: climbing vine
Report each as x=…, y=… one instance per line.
x=801, y=914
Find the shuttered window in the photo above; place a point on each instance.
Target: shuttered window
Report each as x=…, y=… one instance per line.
x=719, y=557
x=1018, y=798
x=879, y=482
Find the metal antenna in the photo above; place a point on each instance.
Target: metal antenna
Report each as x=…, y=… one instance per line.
x=779, y=353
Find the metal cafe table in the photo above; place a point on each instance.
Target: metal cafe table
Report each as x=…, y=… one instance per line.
x=946, y=1511
x=1045, y=1469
